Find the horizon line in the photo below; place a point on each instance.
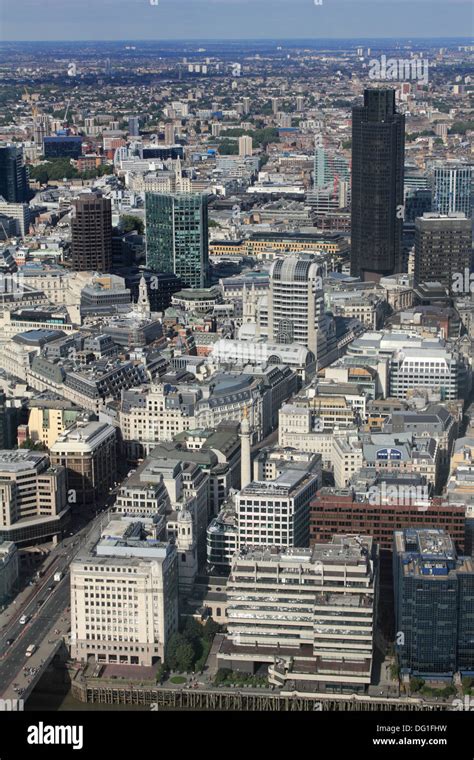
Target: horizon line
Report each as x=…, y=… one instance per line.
x=238, y=39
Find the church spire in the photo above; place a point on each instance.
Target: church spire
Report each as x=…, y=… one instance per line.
x=143, y=304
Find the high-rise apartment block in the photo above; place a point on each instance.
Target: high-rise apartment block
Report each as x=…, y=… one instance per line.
x=169, y=134
x=245, y=145
x=41, y=129
x=134, y=126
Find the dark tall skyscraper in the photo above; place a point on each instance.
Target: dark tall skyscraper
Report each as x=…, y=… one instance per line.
x=378, y=148
x=177, y=236
x=91, y=226
x=13, y=181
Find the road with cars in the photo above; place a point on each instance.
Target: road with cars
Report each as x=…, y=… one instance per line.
x=42, y=603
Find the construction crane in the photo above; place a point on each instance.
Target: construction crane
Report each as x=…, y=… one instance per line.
x=68, y=103
x=29, y=99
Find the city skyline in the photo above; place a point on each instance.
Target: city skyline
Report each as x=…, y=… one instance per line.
x=237, y=364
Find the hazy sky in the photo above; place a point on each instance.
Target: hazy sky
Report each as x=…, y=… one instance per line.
x=237, y=19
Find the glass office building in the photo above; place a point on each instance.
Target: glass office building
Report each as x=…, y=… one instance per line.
x=62, y=147
x=163, y=152
x=453, y=189
x=329, y=166
x=13, y=179
x=177, y=236
x=417, y=203
x=434, y=604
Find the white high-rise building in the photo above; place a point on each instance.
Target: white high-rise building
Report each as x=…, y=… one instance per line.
x=296, y=303
x=453, y=188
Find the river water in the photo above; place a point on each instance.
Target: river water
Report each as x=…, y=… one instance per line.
x=64, y=701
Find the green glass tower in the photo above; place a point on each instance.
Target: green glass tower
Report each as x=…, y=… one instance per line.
x=177, y=236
